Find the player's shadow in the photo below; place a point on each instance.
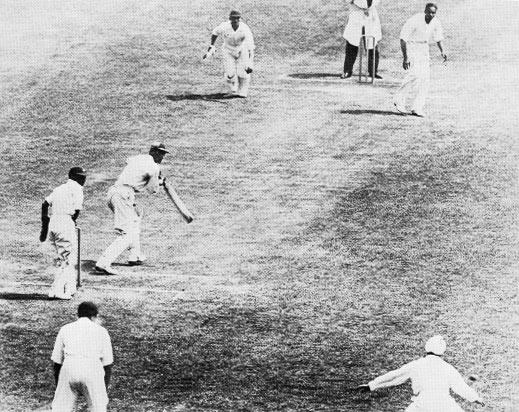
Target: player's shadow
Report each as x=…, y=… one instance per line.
x=371, y=111
x=313, y=75
x=210, y=96
x=23, y=296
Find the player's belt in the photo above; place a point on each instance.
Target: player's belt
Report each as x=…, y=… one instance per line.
x=417, y=42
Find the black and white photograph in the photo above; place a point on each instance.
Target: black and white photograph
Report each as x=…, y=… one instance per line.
x=249, y=206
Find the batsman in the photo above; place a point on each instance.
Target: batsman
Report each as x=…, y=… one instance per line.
x=237, y=53
x=142, y=172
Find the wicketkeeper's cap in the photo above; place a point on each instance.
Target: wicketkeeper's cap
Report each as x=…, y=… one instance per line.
x=77, y=171
x=436, y=345
x=159, y=146
x=234, y=13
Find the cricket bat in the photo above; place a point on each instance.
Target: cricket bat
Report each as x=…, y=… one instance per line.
x=179, y=204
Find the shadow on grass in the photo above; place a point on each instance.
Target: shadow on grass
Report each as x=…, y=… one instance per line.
x=313, y=75
x=23, y=296
x=211, y=97
x=371, y=111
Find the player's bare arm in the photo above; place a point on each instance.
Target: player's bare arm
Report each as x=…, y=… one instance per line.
x=440, y=47
x=403, y=46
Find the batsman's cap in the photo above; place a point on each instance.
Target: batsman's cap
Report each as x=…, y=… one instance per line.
x=436, y=345
x=77, y=171
x=159, y=146
x=234, y=13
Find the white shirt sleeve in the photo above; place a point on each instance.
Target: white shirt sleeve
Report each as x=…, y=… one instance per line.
x=218, y=30
x=460, y=387
x=407, y=29
x=393, y=378
x=249, y=39
x=78, y=199
x=58, y=354
x=107, y=357
x=50, y=198
x=437, y=34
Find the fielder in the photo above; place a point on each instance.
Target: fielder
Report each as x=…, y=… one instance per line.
x=83, y=359
x=66, y=202
x=237, y=51
x=141, y=172
x=432, y=379
x=414, y=42
x=362, y=20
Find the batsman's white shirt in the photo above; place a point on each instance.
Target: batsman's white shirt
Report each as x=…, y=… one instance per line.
x=237, y=41
x=140, y=172
x=82, y=348
x=432, y=379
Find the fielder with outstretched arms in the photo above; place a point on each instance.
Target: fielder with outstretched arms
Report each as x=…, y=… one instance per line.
x=237, y=53
x=66, y=202
x=432, y=379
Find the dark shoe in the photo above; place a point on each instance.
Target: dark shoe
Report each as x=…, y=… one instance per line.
x=135, y=262
x=417, y=114
x=345, y=75
x=377, y=76
x=108, y=270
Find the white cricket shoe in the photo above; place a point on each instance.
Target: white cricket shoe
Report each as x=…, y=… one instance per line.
x=400, y=108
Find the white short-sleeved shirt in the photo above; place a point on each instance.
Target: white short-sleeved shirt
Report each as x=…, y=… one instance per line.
x=416, y=30
x=237, y=40
x=66, y=198
x=83, y=339
x=140, y=171
x=357, y=20
x=431, y=378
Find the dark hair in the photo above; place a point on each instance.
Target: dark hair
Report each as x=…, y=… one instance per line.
x=87, y=310
x=428, y=5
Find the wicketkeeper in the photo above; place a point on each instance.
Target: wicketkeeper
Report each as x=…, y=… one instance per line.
x=237, y=53
x=66, y=202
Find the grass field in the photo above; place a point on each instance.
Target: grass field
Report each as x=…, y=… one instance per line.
x=332, y=238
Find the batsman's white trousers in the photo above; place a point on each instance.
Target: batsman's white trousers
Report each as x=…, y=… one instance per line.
x=234, y=66
x=62, y=235
x=127, y=219
x=415, y=85
x=80, y=376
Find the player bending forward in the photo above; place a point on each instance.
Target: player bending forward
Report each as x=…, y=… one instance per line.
x=237, y=51
x=66, y=202
x=431, y=378
x=141, y=172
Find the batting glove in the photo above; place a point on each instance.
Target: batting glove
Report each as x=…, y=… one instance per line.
x=210, y=51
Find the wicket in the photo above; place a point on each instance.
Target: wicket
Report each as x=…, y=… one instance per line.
x=365, y=43
x=78, y=277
